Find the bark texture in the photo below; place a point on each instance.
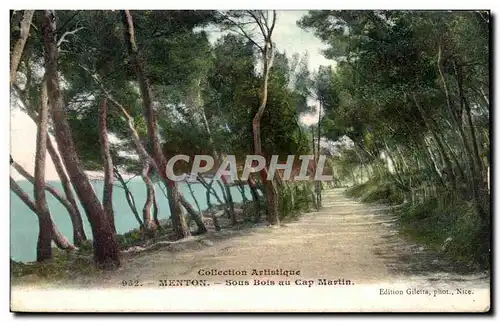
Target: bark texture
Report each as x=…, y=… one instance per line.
x=17, y=52
x=107, y=194
x=105, y=244
x=44, y=247
x=69, y=202
x=178, y=220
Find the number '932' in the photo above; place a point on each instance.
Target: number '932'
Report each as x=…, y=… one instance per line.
x=131, y=283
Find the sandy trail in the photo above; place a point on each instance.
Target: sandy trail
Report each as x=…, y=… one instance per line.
x=344, y=240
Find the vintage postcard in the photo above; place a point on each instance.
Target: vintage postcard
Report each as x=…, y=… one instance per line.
x=250, y=161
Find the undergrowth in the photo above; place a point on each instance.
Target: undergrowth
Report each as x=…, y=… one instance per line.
x=295, y=198
x=445, y=222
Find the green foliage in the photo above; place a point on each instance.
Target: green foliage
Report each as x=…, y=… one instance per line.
x=233, y=97
x=452, y=226
x=434, y=220
x=63, y=265
x=295, y=198
x=175, y=56
x=86, y=247
x=137, y=236
x=410, y=91
x=375, y=190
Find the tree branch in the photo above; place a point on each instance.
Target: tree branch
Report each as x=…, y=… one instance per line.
x=243, y=32
x=259, y=23
x=68, y=33
x=273, y=24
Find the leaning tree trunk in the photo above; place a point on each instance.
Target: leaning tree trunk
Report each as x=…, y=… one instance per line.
x=195, y=216
x=266, y=27
x=241, y=188
x=429, y=123
x=76, y=217
x=230, y=202
x=178, y=220
x=208, y=194
x=318, y=185
x=17, y=52
x=105, y=244
x=44, y=244
x=457, y=123
x=69, y=202
x=129, y=196
x=146, y=159
x=149, y=224
x=272, y=215
x=107, y=194
x=464, y=101
x=156, y=211
x=255, y=196
x=56, y=193
x=223, y=191
x=480, y=179
x=210, y=190
x=191, y=192
x=59, y=239
x=229, y=198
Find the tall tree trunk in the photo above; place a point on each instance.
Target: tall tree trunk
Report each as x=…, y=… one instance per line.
x=473, y=138
x=17, y=52
x=318, y=148
x=270, y=186
x=107, y=194
x=79, y=235
x=434, y=163
x=44, y=244
x=156, y=211
x=147, y=160
x=178, y=221
x=59, y=239
x=255, y=197
x=315, y=199
x=105, y=244
x=481, y=180
x=429, y=124
x=149, y=224
x=457, y=123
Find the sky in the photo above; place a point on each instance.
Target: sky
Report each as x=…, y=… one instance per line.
x=287, y=36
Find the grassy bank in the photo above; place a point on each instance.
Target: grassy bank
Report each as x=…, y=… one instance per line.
x=443, y=222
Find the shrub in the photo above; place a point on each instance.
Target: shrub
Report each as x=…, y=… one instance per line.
x=449, y=219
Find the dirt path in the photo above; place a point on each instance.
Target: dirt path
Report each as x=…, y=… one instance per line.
x=346, y=240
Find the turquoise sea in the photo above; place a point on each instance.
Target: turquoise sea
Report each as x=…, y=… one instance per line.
x=24, y=223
